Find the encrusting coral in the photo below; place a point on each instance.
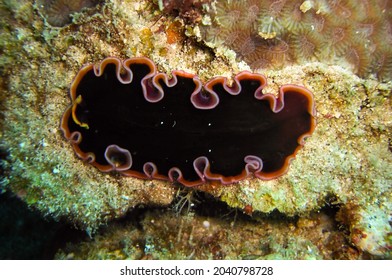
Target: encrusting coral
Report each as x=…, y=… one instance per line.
x=347, y=158
x=275, y=33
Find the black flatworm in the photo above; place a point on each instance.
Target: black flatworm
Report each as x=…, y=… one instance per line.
x=126, y=117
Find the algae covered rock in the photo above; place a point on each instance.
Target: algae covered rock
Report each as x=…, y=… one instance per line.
x=191, y=235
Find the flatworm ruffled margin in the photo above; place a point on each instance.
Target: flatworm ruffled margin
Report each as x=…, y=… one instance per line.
x=205, y=97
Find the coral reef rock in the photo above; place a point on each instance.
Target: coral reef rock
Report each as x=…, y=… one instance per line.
x=190, y=236
x=58, y=12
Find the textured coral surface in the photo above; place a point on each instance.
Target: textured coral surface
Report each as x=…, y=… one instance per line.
x=346, y=162
x=273, y=33
x=59, y=12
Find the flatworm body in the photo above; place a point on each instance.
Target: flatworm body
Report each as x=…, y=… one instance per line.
x=128, y=118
